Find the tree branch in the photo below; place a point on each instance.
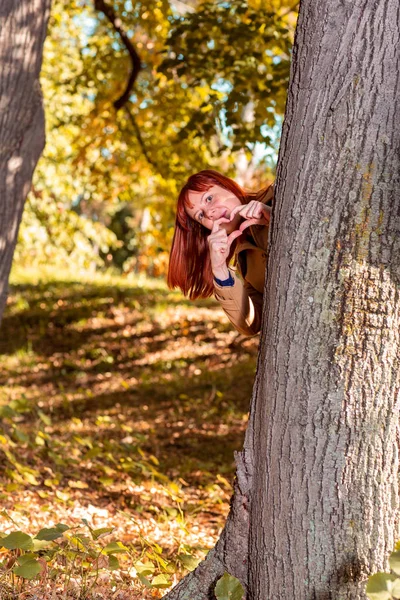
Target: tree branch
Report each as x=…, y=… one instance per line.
x=291, y=9
x=139, y=138
x=135, y=59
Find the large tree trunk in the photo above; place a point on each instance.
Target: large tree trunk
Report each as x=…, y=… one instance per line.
x=325, y=501
x=22, y=34
x=324, y=509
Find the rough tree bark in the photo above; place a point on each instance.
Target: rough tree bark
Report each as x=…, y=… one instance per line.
x=323, y=441
x=23, y=28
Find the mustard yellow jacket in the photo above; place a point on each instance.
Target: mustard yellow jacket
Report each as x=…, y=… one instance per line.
x=242, y=302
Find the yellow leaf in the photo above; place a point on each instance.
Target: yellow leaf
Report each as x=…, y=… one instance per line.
x=80, y=485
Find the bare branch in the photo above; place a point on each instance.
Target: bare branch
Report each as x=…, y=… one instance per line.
x=135, y=58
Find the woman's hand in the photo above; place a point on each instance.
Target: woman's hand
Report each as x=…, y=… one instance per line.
x=219, y=243
x=255, y=213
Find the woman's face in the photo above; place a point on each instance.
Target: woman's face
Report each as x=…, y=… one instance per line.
x=213, y=204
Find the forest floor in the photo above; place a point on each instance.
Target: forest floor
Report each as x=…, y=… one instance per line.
x=121, y=406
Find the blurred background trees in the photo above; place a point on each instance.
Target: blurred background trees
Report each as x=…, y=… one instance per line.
x=210, y=92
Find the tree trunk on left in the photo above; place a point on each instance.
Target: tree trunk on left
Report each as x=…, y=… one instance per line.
x=23, y=25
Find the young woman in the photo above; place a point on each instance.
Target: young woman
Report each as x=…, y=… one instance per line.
x=222, y=231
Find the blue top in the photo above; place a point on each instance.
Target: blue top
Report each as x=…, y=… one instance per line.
x=226, y=282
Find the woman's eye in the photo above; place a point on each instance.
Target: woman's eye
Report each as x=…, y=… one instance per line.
x=209, y=198
x=200, y=216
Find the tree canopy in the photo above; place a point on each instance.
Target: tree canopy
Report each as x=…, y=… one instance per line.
x=210, y=92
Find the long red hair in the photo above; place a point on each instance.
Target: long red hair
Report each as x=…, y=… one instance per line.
x=189, y=261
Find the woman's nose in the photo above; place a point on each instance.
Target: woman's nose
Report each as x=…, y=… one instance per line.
x=212, y=212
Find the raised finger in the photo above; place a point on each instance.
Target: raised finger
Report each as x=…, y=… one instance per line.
x=236, y=210
x=265, y=213
x=258, y=211
x=250, y=222
x=232, y=236
x=217, y=223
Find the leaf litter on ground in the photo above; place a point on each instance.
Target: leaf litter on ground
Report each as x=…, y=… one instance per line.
x=121, y=407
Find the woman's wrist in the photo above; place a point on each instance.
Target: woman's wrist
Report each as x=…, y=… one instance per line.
x=221, y=273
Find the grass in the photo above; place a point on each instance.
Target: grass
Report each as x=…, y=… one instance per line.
x=122, y=405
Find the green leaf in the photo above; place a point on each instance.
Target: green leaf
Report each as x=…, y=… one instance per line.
x=160, y=581
x=38, y=545
x=113, y=563
x=146, y=568
x=25, y=557
x=394, y=562
x=29, y=568
x=106, y=481
x=98, y=533
x=49, y=534
x=188, y=561
x=144, y=580
x=115, y=548
x=6, y=412
x=378, y=586
x=80, y=541
x=43, y=417
x=17, y=540
x=229, y=588
x=21, y=436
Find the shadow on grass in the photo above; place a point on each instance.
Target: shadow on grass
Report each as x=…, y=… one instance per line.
x=133, y=370
x=44, y=315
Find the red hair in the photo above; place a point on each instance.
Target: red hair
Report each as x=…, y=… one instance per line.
x=189, y=262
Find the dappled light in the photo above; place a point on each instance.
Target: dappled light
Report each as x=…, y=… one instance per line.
x=122, y=405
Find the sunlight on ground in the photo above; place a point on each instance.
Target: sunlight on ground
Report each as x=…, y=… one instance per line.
x=122, y=405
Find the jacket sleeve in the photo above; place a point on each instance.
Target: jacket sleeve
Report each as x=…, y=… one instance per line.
x=242, y=304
